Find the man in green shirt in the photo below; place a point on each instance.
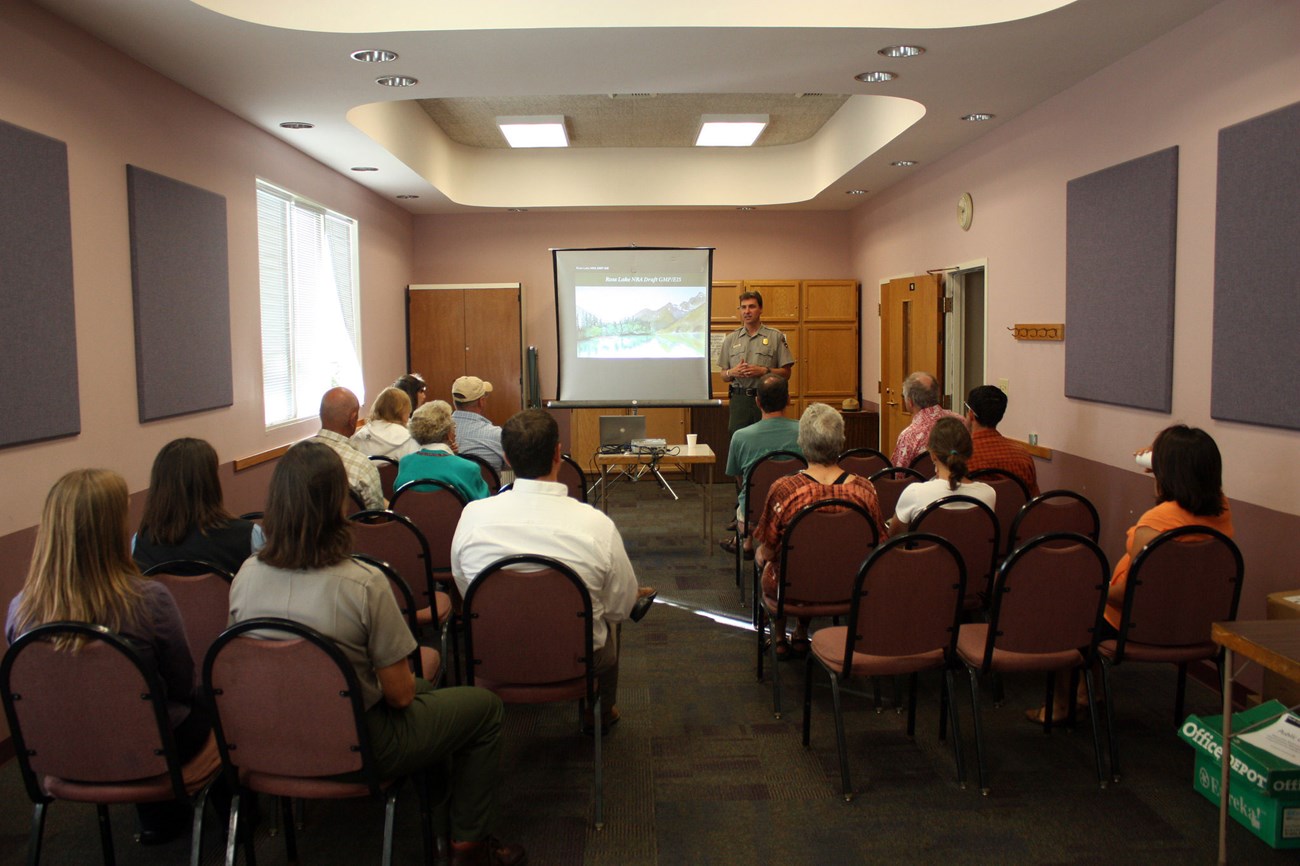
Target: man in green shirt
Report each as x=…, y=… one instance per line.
x=748, y=353
x=772, y=432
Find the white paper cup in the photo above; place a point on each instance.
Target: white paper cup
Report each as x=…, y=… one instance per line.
x=692, y=439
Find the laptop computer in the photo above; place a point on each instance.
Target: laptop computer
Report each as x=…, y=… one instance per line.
x=618, y=431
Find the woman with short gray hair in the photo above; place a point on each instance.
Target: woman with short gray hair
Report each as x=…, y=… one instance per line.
x=433, y=427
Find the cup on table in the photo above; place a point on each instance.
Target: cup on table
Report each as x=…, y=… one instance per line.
x=692, y=439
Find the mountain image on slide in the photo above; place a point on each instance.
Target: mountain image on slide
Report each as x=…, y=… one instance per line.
x=688, y=316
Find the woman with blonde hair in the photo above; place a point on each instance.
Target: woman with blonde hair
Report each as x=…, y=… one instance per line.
x=384, y=433
x=81, y=570
x=432, y=426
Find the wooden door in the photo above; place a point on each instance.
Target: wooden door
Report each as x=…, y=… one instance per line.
x=911, y=338
x=493, y=348
x=724, y=302
x=435, y=327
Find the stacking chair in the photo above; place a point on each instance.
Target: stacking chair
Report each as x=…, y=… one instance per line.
x=889, y=484
x=1178, y=585
x=1012, y=495
x=923, y=463
x=1055, y=511
x=972, y=527
x=820, y=552
x=289, y=715
x=765, y=471
x=528, y=638
x=202, y=593
x=1047, y=604
x=903, y=619
x=434, y=507
x=425, y=661
x=395, y=539
x=572, y=476
x=96, y=715
x=387, y=467
x=863, y=461
x=491, y=477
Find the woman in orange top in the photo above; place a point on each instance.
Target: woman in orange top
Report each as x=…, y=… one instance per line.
x=1189, y=492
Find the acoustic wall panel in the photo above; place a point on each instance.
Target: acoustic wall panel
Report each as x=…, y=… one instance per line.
x=1256, y=371
x=1119, y=299
x=38, y=364
x=180, y=284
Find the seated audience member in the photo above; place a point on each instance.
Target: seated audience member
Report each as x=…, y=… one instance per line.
x=921, y=396
x=384, y=434
x=81, y=570
x=433, y=429
x=537, y=516
x=412, y=384
x=990, y=449
x=772, y=432
x=184, y=516
x=306, y=573
x=821, y=439
x=1189, y=492
x=339, y=409
x=475, y=434
x=951, y=449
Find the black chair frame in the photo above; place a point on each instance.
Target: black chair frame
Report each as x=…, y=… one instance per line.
x=423, y=483
x=1055, y=494
x=406, y=602
x=752, y=512
x=493, y=478
x=986, y=591
x=188, y=568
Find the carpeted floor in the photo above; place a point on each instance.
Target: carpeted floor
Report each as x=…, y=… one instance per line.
x=699, y=771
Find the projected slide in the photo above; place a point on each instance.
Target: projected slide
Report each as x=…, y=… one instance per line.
x=625, y=318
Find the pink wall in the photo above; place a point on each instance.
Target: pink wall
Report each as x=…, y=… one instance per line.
x=515, y=247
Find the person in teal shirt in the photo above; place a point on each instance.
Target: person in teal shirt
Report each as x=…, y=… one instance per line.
x=432, y=427
x=772, y=432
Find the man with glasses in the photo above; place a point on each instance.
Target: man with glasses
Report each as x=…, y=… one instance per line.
x=748, y=354
x=985, y=407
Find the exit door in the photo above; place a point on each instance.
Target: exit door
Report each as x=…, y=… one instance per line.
x=911, y=339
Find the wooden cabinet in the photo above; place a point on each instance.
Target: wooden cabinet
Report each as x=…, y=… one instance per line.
x=468, y=330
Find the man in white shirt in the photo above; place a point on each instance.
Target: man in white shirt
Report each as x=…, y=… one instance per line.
x=475, y=434
x=537, y=516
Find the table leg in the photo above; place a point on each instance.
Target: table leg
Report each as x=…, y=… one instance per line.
x=1225, y=771
x=708, y=506
x=604, y=487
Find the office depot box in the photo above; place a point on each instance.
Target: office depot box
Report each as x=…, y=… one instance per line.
x=1273, y=819
x=1253, y=768
x=1281, y=605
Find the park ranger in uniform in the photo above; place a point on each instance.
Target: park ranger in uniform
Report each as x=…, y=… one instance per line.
x=748, y=354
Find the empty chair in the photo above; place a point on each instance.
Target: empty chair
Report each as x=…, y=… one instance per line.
x=289, y=714
x=758, y=479
x=434, y=507
x=924, y=464
x=395, y=539
x=817, y=562
x=863, y=461
x=903, y=619
x=387, y=467
x=1054, y=511
x=889, y=484
x=972, y=527
x=425, y=661
x=491, y=477
x=96, y=715
x=202, y=593
x=528, y=638
x=1046, y=608
x=572, y=476
x=1179, y=584
x=1012, y=495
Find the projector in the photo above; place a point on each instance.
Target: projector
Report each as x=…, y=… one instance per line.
x=643, y=445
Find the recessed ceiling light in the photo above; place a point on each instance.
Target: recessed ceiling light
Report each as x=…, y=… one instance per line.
x=744, y=207
x=407, y=195
x=297, y=124
x=903, y=163
x=364, y=168
x=877, y=77
x=901, y=51
x=374, y=55
x=518, y=210
x=534, y=131
x=730, y=130
x=855, y=192
x=977, y=117
x=397, y=81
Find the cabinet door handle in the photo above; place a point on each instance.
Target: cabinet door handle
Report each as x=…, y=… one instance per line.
x=891, y=403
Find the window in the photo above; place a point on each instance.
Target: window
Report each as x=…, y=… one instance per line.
x=310, y=333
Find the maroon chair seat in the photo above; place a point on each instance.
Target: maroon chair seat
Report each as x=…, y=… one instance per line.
x=425, y=661
x=972, y=527
x=1012, y=494
x=923, y=463
x=387, y=467
x=1178, y=585
x=889, y=484
x=288, y=715
x=491, y=477
x=818, y=556
x=572, y=476
x=528, y=638
x=903, y=620
x=91, y=726
x=863, y=461
x=1046, y=609
x=1055, y=511
x=202, y=594
x=761, y=475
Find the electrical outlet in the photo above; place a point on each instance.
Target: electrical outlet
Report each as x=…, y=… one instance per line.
x=1004, y=385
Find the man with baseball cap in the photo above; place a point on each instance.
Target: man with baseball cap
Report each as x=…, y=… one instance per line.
x=475, y=434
